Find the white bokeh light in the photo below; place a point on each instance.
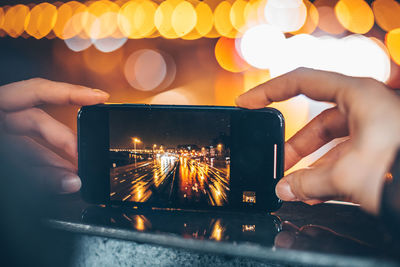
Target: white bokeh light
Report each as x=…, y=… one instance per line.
x=147, y=70
x=261, y=46
x=109, y=44
x=287, y=15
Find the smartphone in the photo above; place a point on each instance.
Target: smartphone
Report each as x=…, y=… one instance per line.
x=180, y=157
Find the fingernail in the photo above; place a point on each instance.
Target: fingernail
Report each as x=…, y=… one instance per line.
x=101, y=93
x=284, y=192
x=71, y=184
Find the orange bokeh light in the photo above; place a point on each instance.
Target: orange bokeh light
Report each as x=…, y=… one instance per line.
x=227, y=56
x=222, y=21
x=355, y=15
x=328, y=21
x=14, y=20
x=41, y=20
x=312, y=19
x=387, y=14
x=393, y=44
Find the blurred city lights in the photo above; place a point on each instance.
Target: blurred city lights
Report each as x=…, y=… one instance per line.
x=148, y=69
x=228, y=57
x=393, y=44
x=261, y=46
x=328, y=21
x=311, y=21
x=287, y=15
x=387, y=14
x=355, y=15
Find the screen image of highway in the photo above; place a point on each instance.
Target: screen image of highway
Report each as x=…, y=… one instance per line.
x=170, y=157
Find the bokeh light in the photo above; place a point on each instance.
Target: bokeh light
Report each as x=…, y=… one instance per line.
x=64, y=27
x=184, y=18
x=222, y=21
x=287, y=15
x=136, y=19
x=312, y=19
x=14, y=20
x=261, y=46
x=227, y=56
x=393, y=44
x=328, y=21
x=41, y=20
x=148, y=69
x=355, y=15
x=387, y=14
x=237, y=16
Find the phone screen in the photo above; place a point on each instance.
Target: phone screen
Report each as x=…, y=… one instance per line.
x=175, y=156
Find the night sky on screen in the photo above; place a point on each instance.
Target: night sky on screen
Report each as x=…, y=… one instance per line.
x=166, y=127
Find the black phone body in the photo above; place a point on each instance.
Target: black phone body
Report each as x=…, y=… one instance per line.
x=181, y=157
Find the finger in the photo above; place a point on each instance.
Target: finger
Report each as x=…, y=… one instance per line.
x=56, y=180
x=328, y=125
x=334, y=154
x=316, y=84
x=306, y=184
x=33, y=92
x=36, y=122
x=36, y=154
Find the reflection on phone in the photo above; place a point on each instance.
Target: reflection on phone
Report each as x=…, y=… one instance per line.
x=234, y=227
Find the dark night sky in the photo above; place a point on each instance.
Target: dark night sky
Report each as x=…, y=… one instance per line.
x=170, y=128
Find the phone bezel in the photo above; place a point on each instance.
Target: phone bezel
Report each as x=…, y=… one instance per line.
x=98, y=141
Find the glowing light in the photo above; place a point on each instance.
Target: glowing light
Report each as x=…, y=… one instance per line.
x=1, y=18
x=14, y=20
x=312, y=19
x=163, y=18
x=109, y=44
x=355, y=15
x=393, y=44
x=237, y=15
x=64, y=28
x=204, y=23
x=79, y=41
x=184, y=18
x=227, y=57
x=328, y=21
x=41, y=20
x=136, y=19
x=145, y=69
x=387, y=14
x=222, y=20
x=261, y=46
x=287, y=15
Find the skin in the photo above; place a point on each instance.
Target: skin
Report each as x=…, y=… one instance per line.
x=366, y=111
x=21, y=120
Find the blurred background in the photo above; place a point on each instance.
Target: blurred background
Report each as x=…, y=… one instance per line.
x=197, y=52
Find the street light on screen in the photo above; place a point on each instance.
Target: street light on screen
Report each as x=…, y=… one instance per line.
x=135, y=141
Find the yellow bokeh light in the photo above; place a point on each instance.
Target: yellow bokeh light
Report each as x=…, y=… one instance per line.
x=237, y=15
x=387, y=14
x=163, y=18
x=328, y=21
x=136, y=19
x=312, y=19
x=355, y=15
x=204, y=23
x=254, y=13
x=213, y=33
x=222, y=20
x=64, y=15
x=227, y=56
x=184, y=18
x=1, y=17
x=14, y=20
x=393, y=44
x=41, y=21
